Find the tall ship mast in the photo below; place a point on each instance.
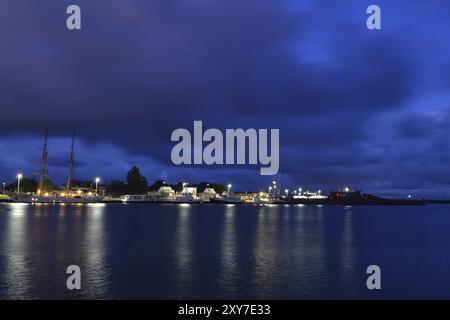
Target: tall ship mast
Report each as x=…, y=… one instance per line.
x=69, y=180
x=43, y=171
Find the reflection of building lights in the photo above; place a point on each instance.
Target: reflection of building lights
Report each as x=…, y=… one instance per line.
x=185, y=204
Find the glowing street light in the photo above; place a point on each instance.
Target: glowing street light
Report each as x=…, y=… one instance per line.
x=286, y=191
x=270, y=189
x=4, y=187
x=300, y=190
x=346, y=189
x=19, y=177
x=319, y=192
x=97, y=180
x=229, y=188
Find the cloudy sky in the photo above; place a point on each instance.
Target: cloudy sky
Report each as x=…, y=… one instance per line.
x=369, y=109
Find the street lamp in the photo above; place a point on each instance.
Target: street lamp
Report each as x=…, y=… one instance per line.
x=300, y=191
x=97, y=180
x=229, y=188
x=4, y=187
x=19, y=176
x=286, y=191
x=270, y=189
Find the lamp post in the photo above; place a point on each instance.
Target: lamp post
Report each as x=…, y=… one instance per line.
x=4, y=187
x=286, y=191
x=229, y=188
x=19, y=176
x=300, y=191
x=97, y=180
x=270, y=189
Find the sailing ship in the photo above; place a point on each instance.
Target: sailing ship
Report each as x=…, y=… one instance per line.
x=68, y=195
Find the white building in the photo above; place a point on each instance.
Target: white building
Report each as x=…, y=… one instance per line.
x=208, y=193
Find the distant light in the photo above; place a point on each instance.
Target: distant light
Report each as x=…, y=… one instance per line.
x=347, y=189
x=409, y=196
x=229, y=186
x=274, y=182
x=79, y=191
x=19, y=176
x=286, y=191
x=319, y=192
x=97, y=180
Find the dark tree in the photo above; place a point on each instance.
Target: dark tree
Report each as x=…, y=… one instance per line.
x=26, y=185
x=137, y=183
x=117, y=188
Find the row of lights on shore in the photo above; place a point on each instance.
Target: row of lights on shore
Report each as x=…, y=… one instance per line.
x=20, y=176
x=286, y=191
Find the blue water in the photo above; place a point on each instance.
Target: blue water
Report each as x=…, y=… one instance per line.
x=151, y=251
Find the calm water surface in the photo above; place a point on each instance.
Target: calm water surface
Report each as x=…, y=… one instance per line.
x=151, y=251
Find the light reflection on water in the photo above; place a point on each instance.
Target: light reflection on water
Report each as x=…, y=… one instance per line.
x=196, y=251
x=17, y=283
x=228, y=278
x=183, y=251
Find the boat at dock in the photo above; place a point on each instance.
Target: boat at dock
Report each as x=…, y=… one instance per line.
x=66, y=195
x=184, y=198
x=228, y=198
x=30, y=198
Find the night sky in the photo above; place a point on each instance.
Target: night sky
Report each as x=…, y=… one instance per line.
x=369, y=109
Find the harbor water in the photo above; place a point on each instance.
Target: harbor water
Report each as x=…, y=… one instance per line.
x=179, y=251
